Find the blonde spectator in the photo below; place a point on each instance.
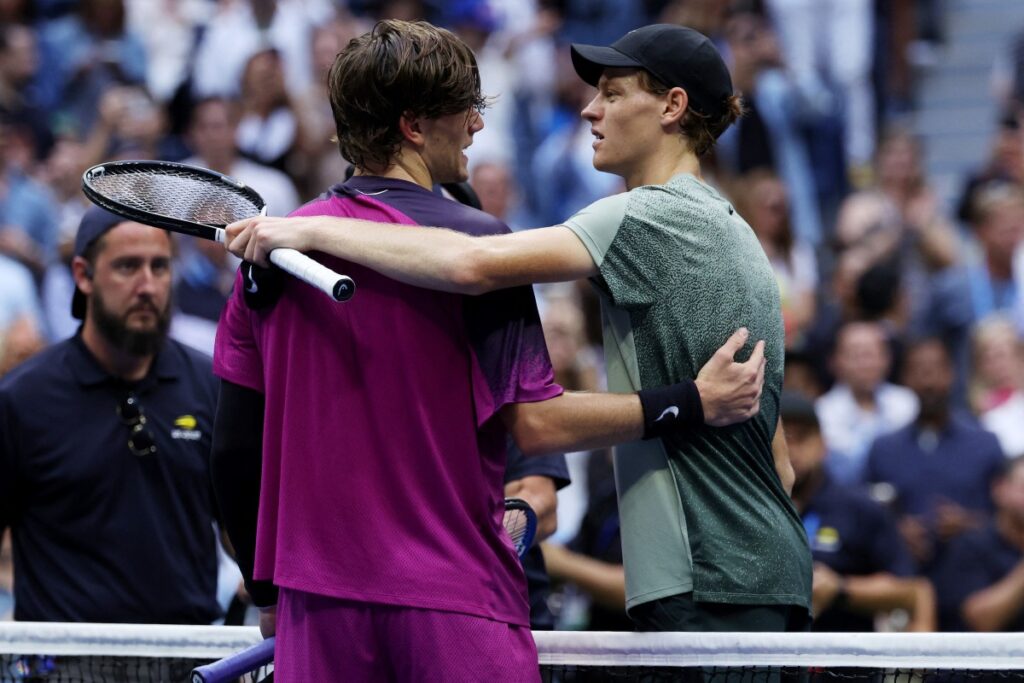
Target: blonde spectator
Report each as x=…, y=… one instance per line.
x=997, y=376
x=998, y=223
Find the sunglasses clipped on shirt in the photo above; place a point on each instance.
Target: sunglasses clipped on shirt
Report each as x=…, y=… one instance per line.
x=140, y=439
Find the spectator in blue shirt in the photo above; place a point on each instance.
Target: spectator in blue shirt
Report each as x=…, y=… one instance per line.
x=942, y=465
x=862, y=567
x=981, y=577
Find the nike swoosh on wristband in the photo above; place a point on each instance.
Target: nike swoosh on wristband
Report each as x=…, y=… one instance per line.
x=253, y=287
x=671, y=410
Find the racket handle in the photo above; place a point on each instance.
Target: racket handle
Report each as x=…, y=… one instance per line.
x=310, y=271
x=237, y=665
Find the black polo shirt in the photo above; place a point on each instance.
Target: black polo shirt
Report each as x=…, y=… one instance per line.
x=972, y=562
x=101, y=534
x=854, y=536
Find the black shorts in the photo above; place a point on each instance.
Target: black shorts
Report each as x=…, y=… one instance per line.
x=681, y=613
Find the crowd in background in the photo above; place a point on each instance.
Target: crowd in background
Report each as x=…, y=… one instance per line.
x=871, y=262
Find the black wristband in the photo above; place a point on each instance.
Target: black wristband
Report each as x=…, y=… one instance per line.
x=671, y=409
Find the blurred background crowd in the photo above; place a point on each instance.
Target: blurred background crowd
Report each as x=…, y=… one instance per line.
x=901, y=292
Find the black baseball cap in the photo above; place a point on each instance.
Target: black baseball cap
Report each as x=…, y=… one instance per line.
x=675, y=55
x=95, y=223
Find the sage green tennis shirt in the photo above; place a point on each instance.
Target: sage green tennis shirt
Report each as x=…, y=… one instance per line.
x=704, y=511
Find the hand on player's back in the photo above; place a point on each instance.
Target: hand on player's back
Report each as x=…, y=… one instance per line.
x=730, y=392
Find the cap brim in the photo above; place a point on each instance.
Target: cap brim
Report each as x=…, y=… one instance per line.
x=591, y=60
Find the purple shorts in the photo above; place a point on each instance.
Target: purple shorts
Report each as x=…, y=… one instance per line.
x=320, y=638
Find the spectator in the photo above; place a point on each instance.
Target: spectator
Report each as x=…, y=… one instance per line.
x=862, y=567
x=498, y=192
x=18, y=297
x=900, y=200
x=120, y=493
x=211, y=136
x=828, y=44
x=771, y=135
x=981, y=579
x=862, y=405
x=998, y=211
x=241, y=29
x=942, y=465
x=320, y=164
x=85, y=53
x=765, y=204
x=268, y=131
x=28, y=223
x=592, y=561
x=19, y=100
x=20, y=341
x=130, y=125
x=1005, y=163
x=996, y=395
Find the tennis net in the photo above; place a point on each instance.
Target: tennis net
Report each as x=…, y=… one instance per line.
x=100, y=653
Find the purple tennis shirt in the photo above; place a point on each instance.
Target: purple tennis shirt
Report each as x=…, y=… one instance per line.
x=382, y=465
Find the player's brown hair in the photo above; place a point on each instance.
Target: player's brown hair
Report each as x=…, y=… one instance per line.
x=701, y=130
x=398, y=68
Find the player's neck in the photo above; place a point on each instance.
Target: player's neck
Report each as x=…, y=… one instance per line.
x=114, y=361
x=405, y=166
x=672, y=159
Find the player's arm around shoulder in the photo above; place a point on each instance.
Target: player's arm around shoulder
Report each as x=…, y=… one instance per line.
x=434, y=258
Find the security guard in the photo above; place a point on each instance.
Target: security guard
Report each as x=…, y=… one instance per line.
x=104, y=449
x=862, y=567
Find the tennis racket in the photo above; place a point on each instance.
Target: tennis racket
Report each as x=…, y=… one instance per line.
x=520, y=522
x=199, y=202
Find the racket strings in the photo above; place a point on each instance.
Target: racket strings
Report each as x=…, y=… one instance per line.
x=177, y=194
x=517, y=524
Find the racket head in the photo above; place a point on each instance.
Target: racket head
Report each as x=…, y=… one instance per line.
x=177, y=197
x=521, y=524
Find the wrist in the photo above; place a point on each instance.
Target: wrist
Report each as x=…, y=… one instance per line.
x=671, y=409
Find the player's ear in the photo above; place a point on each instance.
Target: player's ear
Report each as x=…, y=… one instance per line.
x=676, y=103
x=81, y=271
x=410, y=126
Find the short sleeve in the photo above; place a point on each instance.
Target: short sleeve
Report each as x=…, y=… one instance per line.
x=512, y=363
x=236, y=356
x=597, y=225
x=551, y=466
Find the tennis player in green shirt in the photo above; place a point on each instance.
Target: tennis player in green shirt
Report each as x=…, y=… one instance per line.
x=710, y=538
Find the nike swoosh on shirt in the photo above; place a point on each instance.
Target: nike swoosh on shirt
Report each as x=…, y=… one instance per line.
x=252, y=288
x=671, y=410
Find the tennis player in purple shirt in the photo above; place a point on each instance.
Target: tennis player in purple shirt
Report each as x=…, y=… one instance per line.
x=373, y=433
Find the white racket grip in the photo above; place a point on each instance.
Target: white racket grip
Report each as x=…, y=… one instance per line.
x=310, y=271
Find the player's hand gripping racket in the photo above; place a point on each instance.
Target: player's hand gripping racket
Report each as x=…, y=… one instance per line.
x=199, y=202
x=520, y=523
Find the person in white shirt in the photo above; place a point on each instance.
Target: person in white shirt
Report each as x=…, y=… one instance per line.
x=861, y=406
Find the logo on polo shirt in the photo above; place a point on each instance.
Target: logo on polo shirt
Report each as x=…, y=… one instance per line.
x=827, y=540
x=185, y=428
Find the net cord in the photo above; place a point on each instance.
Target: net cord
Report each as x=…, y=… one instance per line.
x=966, y=651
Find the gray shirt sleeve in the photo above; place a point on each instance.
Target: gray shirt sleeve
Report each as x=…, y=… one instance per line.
x=597, y=224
